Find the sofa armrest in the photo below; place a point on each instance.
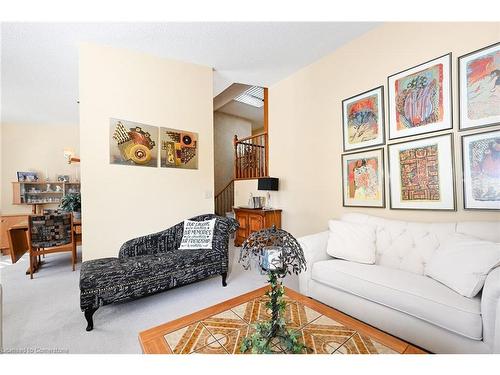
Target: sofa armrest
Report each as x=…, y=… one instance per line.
x=314, y=247
x=490, y=310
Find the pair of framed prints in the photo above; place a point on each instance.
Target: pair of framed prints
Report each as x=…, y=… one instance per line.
x=422, y=170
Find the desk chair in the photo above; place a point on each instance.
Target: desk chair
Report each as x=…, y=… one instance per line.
x=50, y=233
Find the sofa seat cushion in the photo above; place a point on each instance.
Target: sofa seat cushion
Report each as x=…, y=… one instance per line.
x=108, y=272
x=178, y=262
x=410, y=293
x=110, y=280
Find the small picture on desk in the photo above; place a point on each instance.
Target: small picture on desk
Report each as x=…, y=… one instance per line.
x=27, y=177
x=62, y=178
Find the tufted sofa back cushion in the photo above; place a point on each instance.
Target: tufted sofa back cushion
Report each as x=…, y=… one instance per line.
x=409, y=245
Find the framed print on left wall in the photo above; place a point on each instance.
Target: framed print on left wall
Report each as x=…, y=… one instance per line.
x=363, y=179
x=179, y=149
x=422, y=174
x=132, y=143
x=479, y=87
x=420, y=99
x=363, y=120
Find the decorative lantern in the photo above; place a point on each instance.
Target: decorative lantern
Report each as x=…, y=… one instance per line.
x=278, y=254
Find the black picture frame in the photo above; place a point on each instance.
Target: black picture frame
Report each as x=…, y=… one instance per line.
x=462, y=154
x=459, y=61
x=450, y=86
x=453, y=174
x=382, y=163
x=382, y=125
x=23, y=177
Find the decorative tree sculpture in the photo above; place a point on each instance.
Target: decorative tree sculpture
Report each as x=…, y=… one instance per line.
x=278, y=253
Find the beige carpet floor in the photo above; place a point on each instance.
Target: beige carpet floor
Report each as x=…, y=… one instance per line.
x=43, y=314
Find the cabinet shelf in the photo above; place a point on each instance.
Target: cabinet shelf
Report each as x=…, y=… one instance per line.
x=21, y=194
x=43, y=192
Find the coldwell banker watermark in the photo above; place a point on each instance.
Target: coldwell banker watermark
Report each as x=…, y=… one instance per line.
x=35, y=350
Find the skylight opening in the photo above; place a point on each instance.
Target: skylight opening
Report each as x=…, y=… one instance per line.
x=254, y=96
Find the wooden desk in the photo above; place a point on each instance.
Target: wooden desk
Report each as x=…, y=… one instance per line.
x=18, y=241
x=6, y=222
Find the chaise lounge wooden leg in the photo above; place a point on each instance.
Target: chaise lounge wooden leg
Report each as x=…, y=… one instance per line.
x=224, y=276
x=90, y=322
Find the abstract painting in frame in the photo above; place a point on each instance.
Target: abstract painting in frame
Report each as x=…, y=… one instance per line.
x=479, y=87
x=363, y=179
x=179, y=149
x=481, y=168
x=420, y=99
x=363, y=120
x=132, y=143
x=421, y=174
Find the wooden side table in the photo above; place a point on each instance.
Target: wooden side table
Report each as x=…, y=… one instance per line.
x=252, y=220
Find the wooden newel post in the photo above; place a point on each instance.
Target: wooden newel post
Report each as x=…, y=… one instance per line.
x=235, y=143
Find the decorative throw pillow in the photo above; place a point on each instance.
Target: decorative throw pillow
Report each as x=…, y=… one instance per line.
x=197, y=234
x=351, y=241
x=463, y=263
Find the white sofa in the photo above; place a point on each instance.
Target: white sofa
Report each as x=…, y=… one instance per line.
x=394, y=295
x=1, y=320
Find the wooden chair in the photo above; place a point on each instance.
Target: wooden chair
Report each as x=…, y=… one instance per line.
x=50, y=233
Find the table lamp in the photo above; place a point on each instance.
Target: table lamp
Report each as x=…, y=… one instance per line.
x=268, y=184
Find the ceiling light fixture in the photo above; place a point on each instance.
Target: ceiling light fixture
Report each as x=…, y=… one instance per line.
x=254, y=96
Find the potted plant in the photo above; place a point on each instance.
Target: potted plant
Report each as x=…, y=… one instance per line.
x=72, y=203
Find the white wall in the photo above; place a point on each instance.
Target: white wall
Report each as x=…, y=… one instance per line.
x=2, y=192
x=123, y=202
x=37, y=148
x=225, y=128
x=305, y=118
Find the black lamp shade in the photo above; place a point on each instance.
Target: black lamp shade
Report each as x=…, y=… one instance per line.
x=268, y=183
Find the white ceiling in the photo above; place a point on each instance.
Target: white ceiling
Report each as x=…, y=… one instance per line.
x=39, y=67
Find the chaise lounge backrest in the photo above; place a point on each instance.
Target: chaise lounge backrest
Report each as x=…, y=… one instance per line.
x=170, y=239
x=409, y=245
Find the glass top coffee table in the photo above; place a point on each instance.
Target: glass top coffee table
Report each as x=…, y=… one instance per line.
x=221, y=328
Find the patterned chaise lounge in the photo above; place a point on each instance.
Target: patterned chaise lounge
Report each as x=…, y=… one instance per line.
x=152, y=264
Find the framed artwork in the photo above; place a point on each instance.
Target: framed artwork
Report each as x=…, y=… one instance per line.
x=421, y=174
x=420, y=99
x=481, y=168
x=179, y=149
x=479, y=87
x=132, y=143
x=363, y=120
x=27, y=177
x=363, y=179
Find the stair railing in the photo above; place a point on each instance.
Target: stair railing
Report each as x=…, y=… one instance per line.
x=224, y=200
x=251, y=156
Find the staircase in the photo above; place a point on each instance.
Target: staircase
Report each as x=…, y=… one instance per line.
x=250, y=162
x=224, y=200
